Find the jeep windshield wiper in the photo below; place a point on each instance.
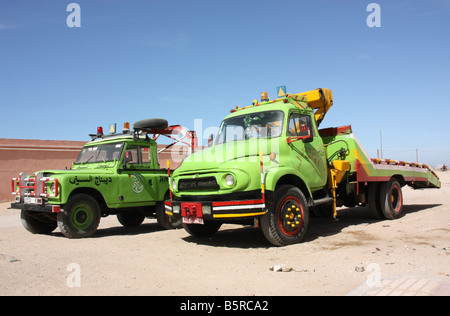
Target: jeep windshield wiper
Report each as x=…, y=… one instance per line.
x=88, y=159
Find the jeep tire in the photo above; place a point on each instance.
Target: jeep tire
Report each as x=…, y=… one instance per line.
x=37, y=222
x=130, y=218
x=164, y=220
x=80, y=218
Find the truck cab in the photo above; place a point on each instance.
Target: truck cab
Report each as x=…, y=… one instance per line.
x=115, y=174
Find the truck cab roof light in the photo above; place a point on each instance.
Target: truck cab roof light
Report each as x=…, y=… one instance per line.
x=264, y=97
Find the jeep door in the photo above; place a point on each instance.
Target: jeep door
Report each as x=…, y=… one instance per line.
x=138, y=180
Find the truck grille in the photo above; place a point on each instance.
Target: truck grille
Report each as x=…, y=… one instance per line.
x=200, y=184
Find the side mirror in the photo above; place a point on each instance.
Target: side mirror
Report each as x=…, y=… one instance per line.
x=210, y=140
x=309, y=139
x=127, y=158
x=304, y=138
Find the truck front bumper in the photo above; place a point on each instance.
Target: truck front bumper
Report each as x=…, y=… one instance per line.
x=198, y=212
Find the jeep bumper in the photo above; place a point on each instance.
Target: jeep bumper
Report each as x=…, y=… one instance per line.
x=45, y=208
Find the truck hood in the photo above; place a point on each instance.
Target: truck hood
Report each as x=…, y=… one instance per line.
x=236, y=153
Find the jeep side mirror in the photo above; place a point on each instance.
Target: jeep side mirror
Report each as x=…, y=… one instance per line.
x=128, y=157
x=210, y=140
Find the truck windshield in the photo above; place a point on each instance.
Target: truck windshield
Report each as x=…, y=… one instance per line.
x=256, y=125
x=100, y=153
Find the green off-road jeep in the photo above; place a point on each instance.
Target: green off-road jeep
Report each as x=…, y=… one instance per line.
x=116, y=174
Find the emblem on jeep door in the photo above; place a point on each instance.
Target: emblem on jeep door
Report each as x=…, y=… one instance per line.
x=137, y=183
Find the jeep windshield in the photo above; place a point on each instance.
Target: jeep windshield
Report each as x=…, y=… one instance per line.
x=266, y=124
x=100, y=153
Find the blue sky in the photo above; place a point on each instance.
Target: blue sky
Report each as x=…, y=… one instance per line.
x=190, y=59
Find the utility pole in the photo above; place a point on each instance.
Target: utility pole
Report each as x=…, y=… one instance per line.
x=381, y=142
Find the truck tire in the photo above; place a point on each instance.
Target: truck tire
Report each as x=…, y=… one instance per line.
x=209, y=228
x=80, y=218
x=391, y=199
x=130, y=218
x=287, y=220
x=373, y=199
x=38, y=223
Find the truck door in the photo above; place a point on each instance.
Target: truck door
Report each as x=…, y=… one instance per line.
x=138, y=180
x=308, y=155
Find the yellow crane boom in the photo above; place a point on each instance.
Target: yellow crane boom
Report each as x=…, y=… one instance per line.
x=320, y=100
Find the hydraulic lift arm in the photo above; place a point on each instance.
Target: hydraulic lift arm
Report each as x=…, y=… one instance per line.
x=320, y=100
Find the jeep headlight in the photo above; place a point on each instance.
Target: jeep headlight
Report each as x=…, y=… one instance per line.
x=52, y=188
x=229, y=180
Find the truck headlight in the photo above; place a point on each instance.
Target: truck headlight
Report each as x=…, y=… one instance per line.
x=174, y=184
x=229, y=180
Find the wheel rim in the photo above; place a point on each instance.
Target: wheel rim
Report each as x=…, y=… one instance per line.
x=290, y=216
x=82, y=217
x=396, y=199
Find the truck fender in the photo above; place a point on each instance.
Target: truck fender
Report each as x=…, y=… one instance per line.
x=287, y=176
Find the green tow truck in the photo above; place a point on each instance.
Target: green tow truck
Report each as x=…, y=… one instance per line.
x=270, y=166
x=115, y=174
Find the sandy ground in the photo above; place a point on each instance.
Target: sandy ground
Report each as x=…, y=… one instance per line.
x=336, y=258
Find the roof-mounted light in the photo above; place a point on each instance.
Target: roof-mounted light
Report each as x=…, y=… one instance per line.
x=264, y=97
x=126, y=127
x=99, y=131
